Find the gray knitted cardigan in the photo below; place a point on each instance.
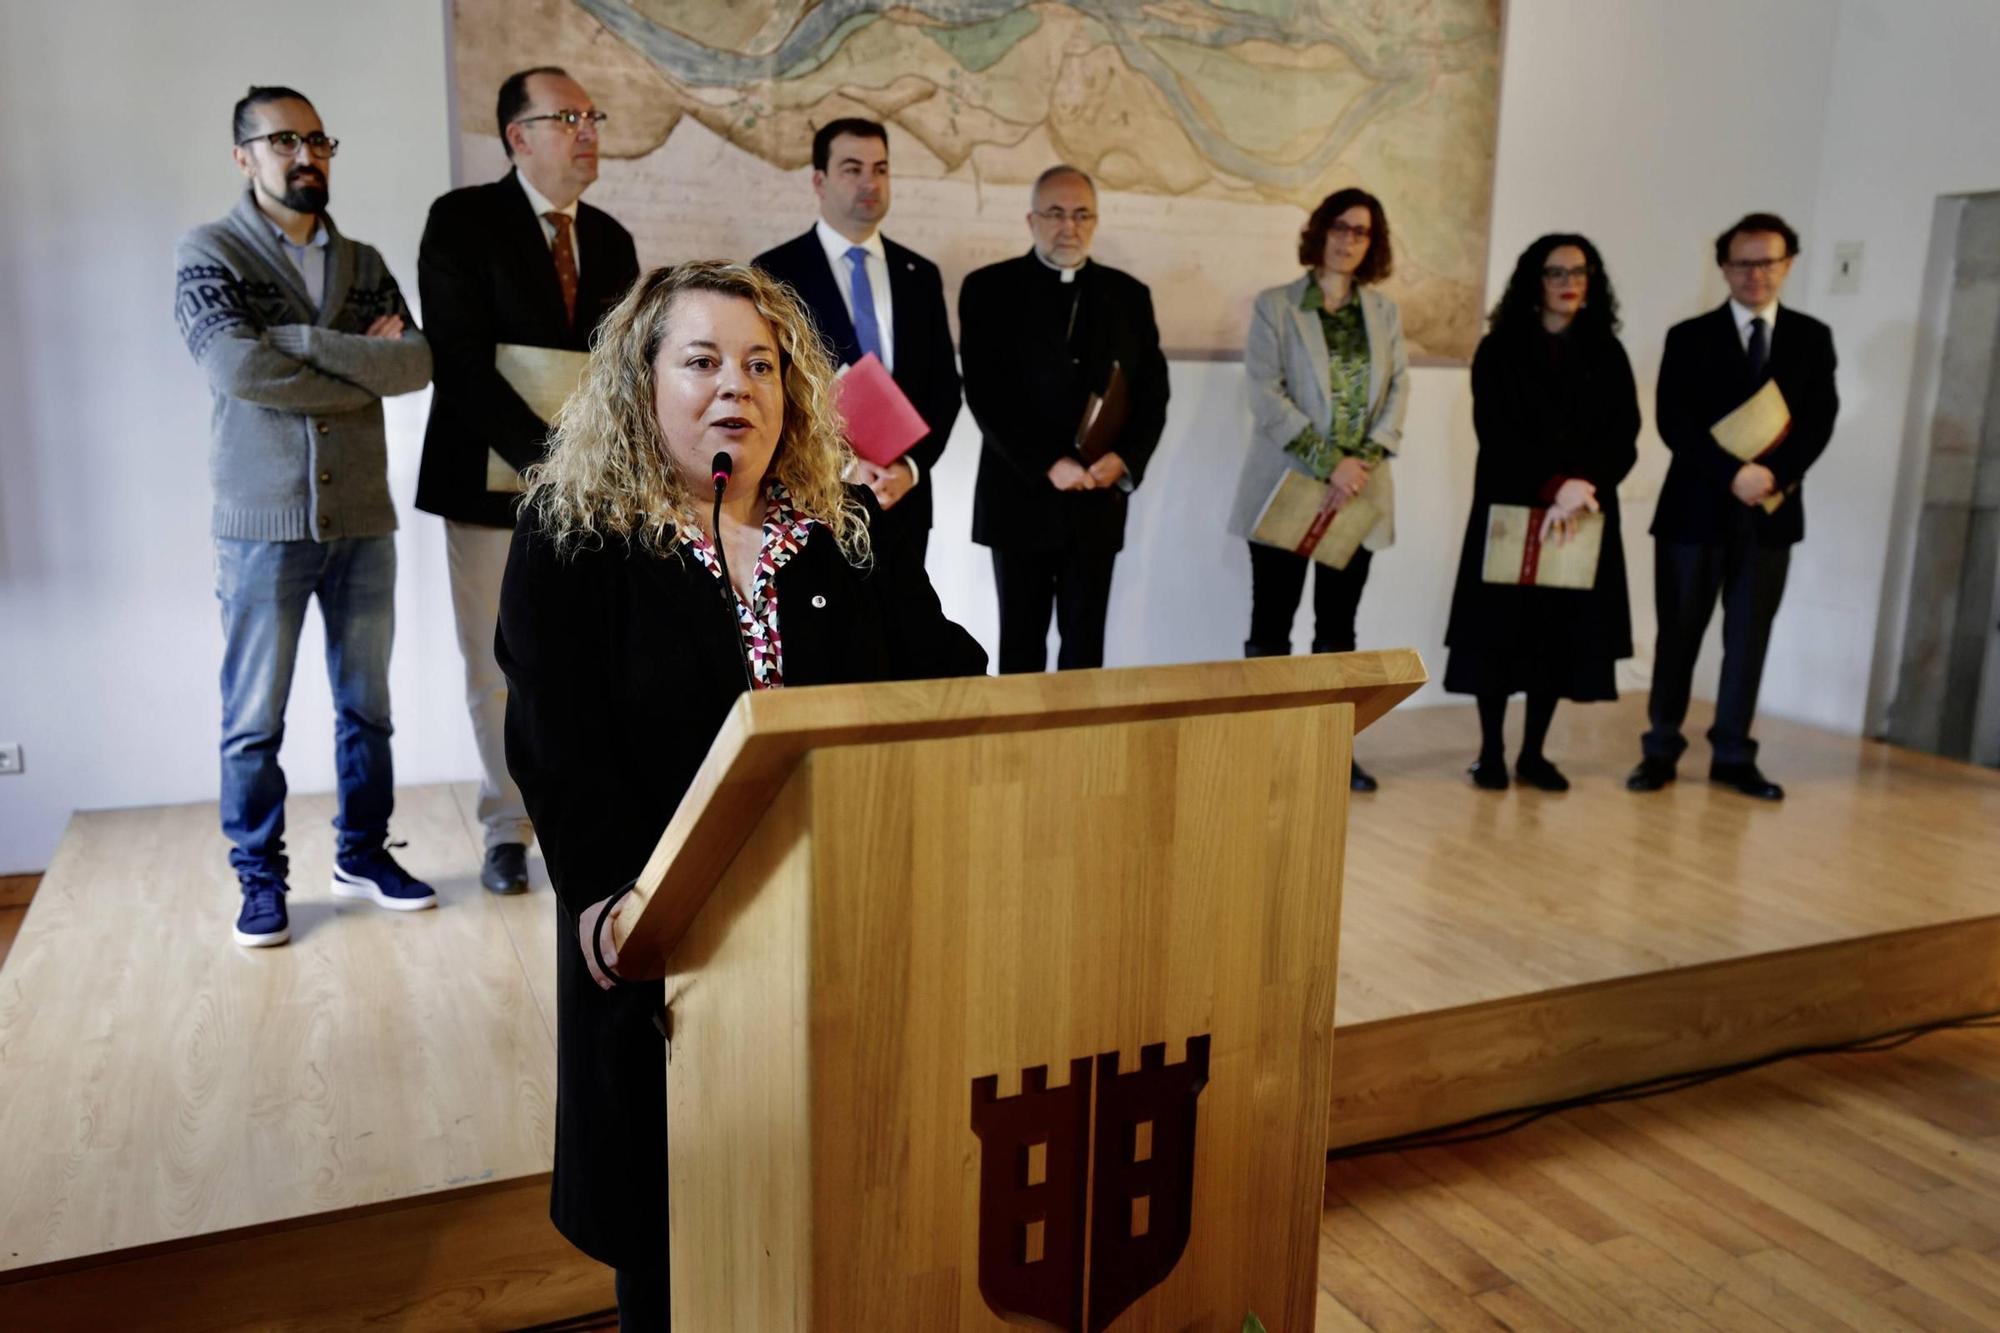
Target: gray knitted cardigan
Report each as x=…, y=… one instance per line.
x=298, y=450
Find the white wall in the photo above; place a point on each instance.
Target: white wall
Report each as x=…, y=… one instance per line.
x=1918, y=117
x=1647, y=125
x=113, y=140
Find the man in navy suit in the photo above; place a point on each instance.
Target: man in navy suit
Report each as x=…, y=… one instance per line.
x=519, y=260
x=1711, y=532
x=868, y=294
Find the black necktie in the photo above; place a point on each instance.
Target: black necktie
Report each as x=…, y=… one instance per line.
x=1760, y=349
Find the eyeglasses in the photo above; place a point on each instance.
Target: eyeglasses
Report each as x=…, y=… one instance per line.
x=1745, y=267
x=568, y=119
x=1055, y=217
x=286, y=142
x=1360, y=231
x=1557, y=273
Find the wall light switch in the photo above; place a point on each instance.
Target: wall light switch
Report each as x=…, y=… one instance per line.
x=1846, y=268
x=10, y=757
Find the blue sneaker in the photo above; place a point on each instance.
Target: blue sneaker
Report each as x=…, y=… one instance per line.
x=263, y=922
x=376, y=877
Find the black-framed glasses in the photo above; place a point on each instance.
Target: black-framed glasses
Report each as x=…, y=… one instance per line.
x=1748, y=266
x=1557, y=273
x=1360, y=231
x=568, y=118
x=286, y=142
x=1055, y=217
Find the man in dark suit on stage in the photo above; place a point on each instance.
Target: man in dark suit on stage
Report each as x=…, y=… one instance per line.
x=521, y=260
x=1040, y=334
x=1712, y=532
x=868, y=294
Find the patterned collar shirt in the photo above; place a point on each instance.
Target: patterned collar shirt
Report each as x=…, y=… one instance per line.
x=785, y=533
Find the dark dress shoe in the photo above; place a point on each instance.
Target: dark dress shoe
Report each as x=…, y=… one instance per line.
x=1359, y=778
x=506, y=868
x=1489, y=774
x=1747, y=779
x=1651, y=775
x=1541, y=774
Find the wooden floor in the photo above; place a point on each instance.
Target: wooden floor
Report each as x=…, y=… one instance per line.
x=1458, y=896
x=191, y=1093
x=1504, y=948
x=280, y=1106
x=1849, y=1192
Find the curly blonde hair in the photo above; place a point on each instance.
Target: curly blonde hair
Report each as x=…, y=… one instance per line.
x=608, y=471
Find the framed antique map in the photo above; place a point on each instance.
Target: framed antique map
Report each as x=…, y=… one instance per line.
x=1211, y=128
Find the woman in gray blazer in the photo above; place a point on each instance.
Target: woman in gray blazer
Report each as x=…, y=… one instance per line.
x=1329, y=380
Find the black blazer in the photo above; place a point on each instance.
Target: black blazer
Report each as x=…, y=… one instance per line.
x=1704, y=375
x=620, y=668
x=926, y=369
x=1036, y=348
x=485, y=275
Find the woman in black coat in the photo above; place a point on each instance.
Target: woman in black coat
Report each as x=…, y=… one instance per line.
x=1557, y=416
x=624, y=648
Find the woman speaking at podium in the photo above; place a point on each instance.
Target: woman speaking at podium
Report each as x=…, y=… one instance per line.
x=688, y=536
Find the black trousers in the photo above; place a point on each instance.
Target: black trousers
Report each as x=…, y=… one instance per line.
x=1686, y=579
x=1277, y=577
x=1075, y=584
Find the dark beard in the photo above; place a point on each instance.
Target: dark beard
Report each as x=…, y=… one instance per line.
x=306, y=197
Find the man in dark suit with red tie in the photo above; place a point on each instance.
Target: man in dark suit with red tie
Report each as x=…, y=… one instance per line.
x=868, y=294
x=1711, y=529
x=521, y=260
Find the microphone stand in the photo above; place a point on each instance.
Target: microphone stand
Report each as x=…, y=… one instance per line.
x=721, y=468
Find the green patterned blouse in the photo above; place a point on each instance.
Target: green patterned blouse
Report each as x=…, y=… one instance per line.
x=1347, y=387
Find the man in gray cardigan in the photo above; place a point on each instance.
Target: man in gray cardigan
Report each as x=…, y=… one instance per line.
x=302, y=333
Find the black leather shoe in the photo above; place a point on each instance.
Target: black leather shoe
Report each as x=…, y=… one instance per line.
x=1747, y=779
x=506, y=868
x=1489, y=774
x=1541, y=774
x=1359, y=778
x=1651, y=775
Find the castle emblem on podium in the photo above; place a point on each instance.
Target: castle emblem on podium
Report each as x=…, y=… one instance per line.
x=1059, y=1164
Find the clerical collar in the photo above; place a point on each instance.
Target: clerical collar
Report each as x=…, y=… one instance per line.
x=1068, y=274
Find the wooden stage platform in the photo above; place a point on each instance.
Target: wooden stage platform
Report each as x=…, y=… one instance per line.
x=355, y=1128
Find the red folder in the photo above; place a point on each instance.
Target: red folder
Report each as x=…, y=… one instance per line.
x=881, y=424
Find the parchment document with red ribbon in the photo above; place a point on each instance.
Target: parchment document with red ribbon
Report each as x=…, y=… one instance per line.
x=1516, y=553
x=1292, y=520
x=1759, y=425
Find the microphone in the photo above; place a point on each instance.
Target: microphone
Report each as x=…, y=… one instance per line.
x=720, y=468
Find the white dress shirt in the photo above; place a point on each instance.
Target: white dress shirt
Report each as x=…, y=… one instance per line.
x=877, y=264
x=1744, y=314
x=309, y=259
x=541, y=205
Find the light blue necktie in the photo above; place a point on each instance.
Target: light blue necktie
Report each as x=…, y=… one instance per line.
x=866, y=331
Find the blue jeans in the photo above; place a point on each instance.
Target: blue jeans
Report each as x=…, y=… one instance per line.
x=263, y=588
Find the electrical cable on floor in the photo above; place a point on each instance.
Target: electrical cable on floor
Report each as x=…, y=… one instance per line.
x=1463, y=1131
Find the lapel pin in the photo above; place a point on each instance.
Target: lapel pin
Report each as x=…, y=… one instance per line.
x=819, y=601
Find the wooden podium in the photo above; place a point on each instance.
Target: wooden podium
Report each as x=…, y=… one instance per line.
x=1008, y=1000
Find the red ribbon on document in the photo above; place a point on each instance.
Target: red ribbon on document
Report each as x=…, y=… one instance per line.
x=1531, y=547
x=1314, y=531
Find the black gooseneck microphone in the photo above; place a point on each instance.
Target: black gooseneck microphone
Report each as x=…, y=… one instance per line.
x=721, y=467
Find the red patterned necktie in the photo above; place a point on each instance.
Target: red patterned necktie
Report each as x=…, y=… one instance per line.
x=565, y=256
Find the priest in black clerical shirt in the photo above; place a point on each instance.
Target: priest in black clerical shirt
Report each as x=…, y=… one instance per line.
x=1038, y=335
